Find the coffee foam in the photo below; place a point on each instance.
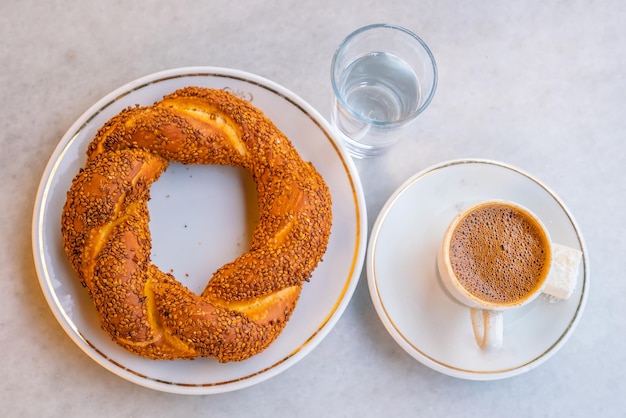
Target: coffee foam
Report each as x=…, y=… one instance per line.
x=499, y=253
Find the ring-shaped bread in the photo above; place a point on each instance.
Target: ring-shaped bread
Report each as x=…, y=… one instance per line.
x=247, y=302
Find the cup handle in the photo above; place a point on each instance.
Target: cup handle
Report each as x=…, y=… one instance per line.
x=487, y=326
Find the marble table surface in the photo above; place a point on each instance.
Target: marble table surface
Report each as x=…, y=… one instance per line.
x=539, y=85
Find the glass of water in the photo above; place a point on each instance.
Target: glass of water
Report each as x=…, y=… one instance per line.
x=383, y=76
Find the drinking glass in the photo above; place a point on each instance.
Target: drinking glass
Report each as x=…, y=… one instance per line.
x=383, y=76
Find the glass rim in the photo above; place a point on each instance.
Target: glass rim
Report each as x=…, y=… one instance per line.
x=406, y=31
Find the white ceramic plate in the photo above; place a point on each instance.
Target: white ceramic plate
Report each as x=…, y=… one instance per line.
x=410, y=299
x=201, y=219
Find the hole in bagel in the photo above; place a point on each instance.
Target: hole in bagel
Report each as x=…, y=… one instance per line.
x=201, y=217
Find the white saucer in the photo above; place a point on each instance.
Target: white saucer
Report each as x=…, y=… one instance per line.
x=410, y=299
x=201, y=218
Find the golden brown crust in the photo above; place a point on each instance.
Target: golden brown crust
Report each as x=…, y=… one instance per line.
x=247, y=302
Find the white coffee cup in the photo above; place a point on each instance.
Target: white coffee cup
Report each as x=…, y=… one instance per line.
x=476, y=245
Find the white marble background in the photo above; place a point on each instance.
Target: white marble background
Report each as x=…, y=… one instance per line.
x=537, y=84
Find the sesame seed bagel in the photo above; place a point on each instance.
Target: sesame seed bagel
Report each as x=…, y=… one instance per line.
x=248, y=301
